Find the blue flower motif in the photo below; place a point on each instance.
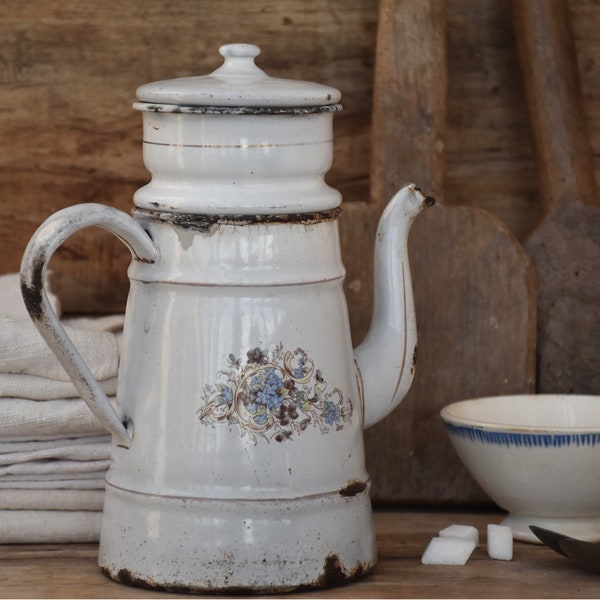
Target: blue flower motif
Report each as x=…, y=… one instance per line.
x=332, y=413
x=226, y=395
x=260, y=419
x=299, y=370
x=268, y=387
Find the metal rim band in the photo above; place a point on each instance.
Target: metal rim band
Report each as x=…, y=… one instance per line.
x=202, y=221
x=235, y=110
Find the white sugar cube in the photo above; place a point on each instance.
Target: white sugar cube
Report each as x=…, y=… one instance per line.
x=463, y=532
x=447, y=551
x=499, y=542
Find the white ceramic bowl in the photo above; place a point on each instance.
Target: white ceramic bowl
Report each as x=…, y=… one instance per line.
x=536, y=456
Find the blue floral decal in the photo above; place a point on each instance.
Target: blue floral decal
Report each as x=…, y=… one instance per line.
x=274, y=396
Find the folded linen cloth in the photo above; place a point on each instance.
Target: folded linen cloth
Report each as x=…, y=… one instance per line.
x=49, y=526
x=53, y=453
x=24, y=351
x=17, y=385
x=22, y=419
x=77, y=455
x=77, y=448
x=45, y=468
x=11, y=300
x=86, y=481
x=45, y=499
x=29, y=369
x=88, y=475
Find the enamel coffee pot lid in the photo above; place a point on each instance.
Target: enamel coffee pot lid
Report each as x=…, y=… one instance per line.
x=238, y=82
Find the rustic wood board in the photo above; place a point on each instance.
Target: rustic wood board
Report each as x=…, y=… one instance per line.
x=565, y=247
x=473, y=283
x=476, y=333
x=68, y=134
x=71, y=571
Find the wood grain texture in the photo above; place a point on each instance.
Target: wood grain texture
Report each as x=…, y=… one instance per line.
x=473, y=284
x=67, y=132
x=410, y=98
x=71, y=571
x=475, y=303
x=488, y=148
x=565, y=248
x=550, y=73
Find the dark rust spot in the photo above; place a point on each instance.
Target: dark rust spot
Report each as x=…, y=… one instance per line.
x=334, y=573
x=429, y=200
x=33, y=294
x=353, y=488
x=126, y=577
x=413, y=364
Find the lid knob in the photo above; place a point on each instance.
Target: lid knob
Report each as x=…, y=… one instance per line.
x=239, y=61
x=239, y=50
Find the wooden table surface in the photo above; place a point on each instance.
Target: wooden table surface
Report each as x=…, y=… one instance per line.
x=70, y=570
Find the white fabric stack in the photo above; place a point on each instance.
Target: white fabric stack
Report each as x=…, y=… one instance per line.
x=53, y=453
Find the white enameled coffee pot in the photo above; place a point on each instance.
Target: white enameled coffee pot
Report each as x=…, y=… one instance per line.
x=238, y=459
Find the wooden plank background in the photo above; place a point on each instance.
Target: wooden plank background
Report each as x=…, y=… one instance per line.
x=68, y=134
x=69, y=70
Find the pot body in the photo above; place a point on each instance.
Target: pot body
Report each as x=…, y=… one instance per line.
x=238, y=460
x=246, y=465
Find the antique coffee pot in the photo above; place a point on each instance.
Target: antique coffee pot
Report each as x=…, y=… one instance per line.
x=238, y=459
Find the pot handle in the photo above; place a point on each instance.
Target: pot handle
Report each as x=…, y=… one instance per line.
x=48, y=237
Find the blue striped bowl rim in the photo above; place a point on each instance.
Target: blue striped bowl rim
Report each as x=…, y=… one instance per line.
x=543, y=439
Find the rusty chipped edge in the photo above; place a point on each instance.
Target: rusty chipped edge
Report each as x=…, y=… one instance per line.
x=333, y=575
x=203, y=222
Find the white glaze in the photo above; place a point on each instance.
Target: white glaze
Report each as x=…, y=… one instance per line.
x=245, y=164
x=242, y=462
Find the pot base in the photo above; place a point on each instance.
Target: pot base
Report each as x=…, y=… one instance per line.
x=205, y=545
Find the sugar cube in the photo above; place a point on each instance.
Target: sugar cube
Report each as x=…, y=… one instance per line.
x=463, y=532
x=499, y=542
x=447, y=551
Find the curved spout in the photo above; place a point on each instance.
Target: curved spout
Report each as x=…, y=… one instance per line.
x=386, y=358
